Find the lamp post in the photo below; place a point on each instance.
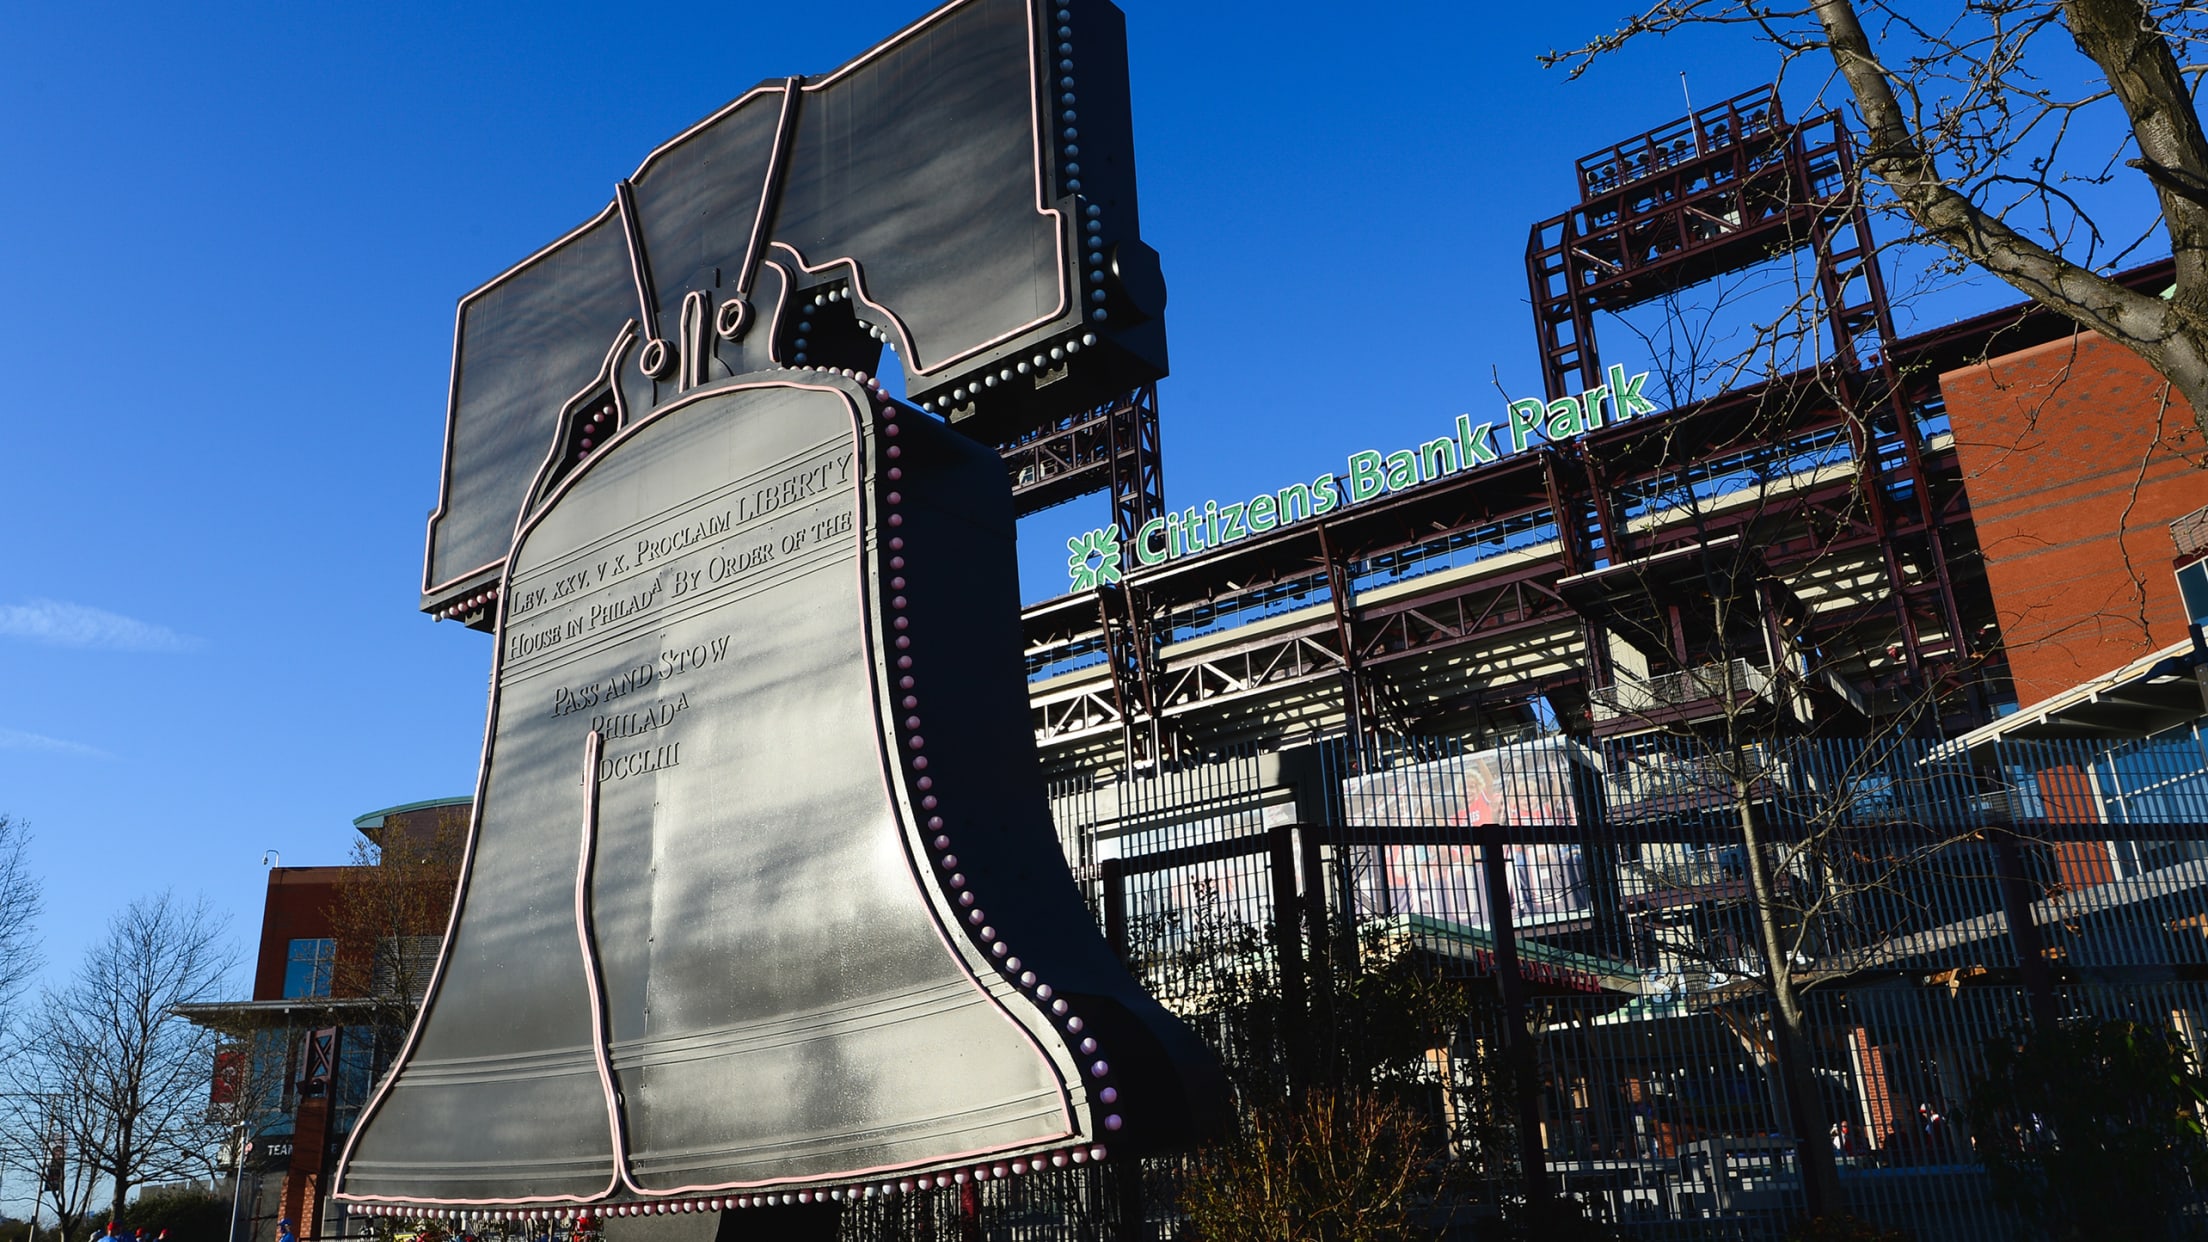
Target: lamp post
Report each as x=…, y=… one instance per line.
x=237, y=1180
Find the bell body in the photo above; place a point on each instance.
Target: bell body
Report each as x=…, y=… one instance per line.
x=762, y=894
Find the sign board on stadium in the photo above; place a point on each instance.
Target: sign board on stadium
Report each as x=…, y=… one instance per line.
x=1102, y=556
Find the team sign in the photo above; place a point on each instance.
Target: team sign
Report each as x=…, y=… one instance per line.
x=1097, y=557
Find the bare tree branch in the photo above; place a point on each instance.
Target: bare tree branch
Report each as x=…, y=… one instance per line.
x=125, y=1080
x=389, y=919
x=20, y=906
x=1969, y=124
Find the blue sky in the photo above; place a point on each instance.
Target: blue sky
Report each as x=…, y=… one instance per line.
x=235, y=238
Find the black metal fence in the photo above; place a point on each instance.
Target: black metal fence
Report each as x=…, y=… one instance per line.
x=1561, y=955
x=1597, y=908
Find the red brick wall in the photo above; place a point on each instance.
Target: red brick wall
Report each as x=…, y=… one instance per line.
x=299, y=904
x=2067, y=793
x=2075, y=467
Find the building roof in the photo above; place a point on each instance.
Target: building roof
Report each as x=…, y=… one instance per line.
x=276, y=1014
x=2160, y=690
x=374, y=819
x=399, y=818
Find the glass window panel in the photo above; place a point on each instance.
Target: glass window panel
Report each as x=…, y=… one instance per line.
x=307, y=971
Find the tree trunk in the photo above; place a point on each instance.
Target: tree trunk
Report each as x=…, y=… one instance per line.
x=1791, y=1046
x=2170, y=335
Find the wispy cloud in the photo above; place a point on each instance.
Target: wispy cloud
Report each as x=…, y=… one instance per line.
x=59, y=624
x=13, y=739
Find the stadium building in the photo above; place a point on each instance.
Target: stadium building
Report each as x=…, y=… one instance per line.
x=1496, y=707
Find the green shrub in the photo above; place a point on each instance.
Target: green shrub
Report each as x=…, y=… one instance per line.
x=189, y=1213
x=2093, y=1130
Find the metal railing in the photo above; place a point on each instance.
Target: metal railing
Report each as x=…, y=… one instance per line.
x=1681, y=141
x=2190, y=533
x=1717, y=682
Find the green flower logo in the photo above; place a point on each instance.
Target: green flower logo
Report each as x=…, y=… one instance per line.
x=1093, y=558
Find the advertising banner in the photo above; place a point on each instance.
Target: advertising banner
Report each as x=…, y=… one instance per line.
x=1528, y=785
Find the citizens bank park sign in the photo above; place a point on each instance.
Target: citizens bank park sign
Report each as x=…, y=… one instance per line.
x=1099, y=557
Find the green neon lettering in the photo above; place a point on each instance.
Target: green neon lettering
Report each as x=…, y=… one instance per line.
x=1154, y=528
x=1262, y=509
x=1525, y=420
x=1230, y=524
x=1192, y=530
x=1402, y=470
x=1437, y=458
x=1364, y=476
x=1475, y=445
x=1566, y=419
x=1594, y=399
x=1325, y=495
x=1631, y=404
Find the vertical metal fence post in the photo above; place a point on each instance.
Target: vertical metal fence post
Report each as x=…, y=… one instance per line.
x=1127, y=1201
x=1127, y=1174
x=1112, y=878
x=1280, y=861
x=1604, y=853
x=1518, y=1044
x=1318, y=946
x=1125, y=1196
x=2024, y=937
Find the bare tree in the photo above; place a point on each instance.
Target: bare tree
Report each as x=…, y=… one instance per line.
x=2004, y=149
x=2003, y=144
x=389, y=919
x=34, y=1144
x=126, y=1082
x=29, y=1138
x=20, y=906
x=1719, y=639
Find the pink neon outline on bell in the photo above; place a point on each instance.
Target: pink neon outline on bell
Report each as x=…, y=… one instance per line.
x=620, y=1153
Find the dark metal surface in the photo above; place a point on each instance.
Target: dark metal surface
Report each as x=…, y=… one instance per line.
x=763, y=892
x=964, y=192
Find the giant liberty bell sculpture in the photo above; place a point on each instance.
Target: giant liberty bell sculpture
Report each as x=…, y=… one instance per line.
x=762, y=902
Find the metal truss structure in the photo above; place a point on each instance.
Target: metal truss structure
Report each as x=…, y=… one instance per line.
x=1473, y=604
x=1585, y=585
x=1112, y=448
x=1715, y=192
